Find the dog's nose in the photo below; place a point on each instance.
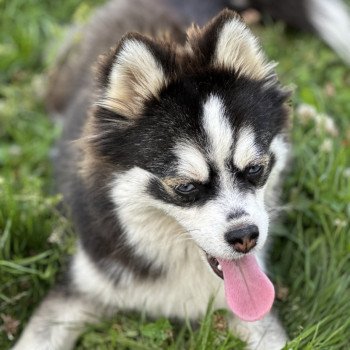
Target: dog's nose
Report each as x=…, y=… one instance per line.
x=243, y=239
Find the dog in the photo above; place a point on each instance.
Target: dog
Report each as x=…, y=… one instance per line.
x=170, y=165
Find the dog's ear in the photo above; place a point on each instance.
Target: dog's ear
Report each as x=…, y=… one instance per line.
x=227, y=43
x=132, y=73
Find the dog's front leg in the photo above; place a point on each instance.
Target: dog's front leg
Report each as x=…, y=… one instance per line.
x=57, y=323
x=265, y=334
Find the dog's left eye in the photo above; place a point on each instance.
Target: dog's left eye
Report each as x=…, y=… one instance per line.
x=186, y=189
x=254, y=170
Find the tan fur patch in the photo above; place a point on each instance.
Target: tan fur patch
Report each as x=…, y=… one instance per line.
x=171, y=182
x=174, y=181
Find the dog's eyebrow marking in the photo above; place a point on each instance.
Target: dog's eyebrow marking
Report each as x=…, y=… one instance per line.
x=218, y=130
x=246, y=150
x=191, y=161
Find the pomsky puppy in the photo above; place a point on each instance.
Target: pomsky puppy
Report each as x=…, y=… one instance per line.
x=173, y=173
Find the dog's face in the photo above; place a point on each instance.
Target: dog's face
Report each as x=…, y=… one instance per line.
x=196, y=132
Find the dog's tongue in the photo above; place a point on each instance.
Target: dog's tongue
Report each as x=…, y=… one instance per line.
x=249, y=292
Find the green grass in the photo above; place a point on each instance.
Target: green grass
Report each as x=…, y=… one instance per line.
x=310, y=258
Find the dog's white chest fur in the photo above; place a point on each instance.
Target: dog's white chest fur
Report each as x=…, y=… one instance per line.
x=184, y=291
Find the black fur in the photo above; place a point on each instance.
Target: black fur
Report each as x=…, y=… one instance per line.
x=177, y=115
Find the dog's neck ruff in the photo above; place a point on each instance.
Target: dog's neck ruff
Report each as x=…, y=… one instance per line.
x=249, y=292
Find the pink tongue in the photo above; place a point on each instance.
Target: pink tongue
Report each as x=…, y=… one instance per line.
x=249, y=293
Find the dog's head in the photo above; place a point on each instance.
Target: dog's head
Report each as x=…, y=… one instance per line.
x=197, y=131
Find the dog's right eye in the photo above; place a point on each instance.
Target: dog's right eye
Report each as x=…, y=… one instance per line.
x=254, y=170
x=186, y=189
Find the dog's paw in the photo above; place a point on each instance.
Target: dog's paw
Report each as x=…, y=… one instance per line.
x=266, y=334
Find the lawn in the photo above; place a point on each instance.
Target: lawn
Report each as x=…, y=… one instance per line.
x=310, y=257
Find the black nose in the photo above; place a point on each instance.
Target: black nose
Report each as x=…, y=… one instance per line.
x=243, y=239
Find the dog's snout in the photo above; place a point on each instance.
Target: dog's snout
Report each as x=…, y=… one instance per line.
x=243, y=239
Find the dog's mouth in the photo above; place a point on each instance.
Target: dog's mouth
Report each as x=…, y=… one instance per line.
x=249, y=292
x=215, y=265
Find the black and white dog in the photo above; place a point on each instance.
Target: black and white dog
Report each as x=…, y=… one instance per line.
x=174, y=171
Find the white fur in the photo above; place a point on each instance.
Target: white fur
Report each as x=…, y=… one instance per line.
x=191, y=162
x=238, y=49
x=265, y=334
x=135, y=76
x=218, y=129
x=246, y=150
x=331, y=18
x=183, y=292
x=281, y=150
x=57, y=324
x=148, y=230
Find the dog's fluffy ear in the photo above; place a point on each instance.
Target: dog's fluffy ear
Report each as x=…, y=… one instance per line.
x=131, y=74
x=228, y=43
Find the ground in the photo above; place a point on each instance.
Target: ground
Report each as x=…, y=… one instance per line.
x=310, y=257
